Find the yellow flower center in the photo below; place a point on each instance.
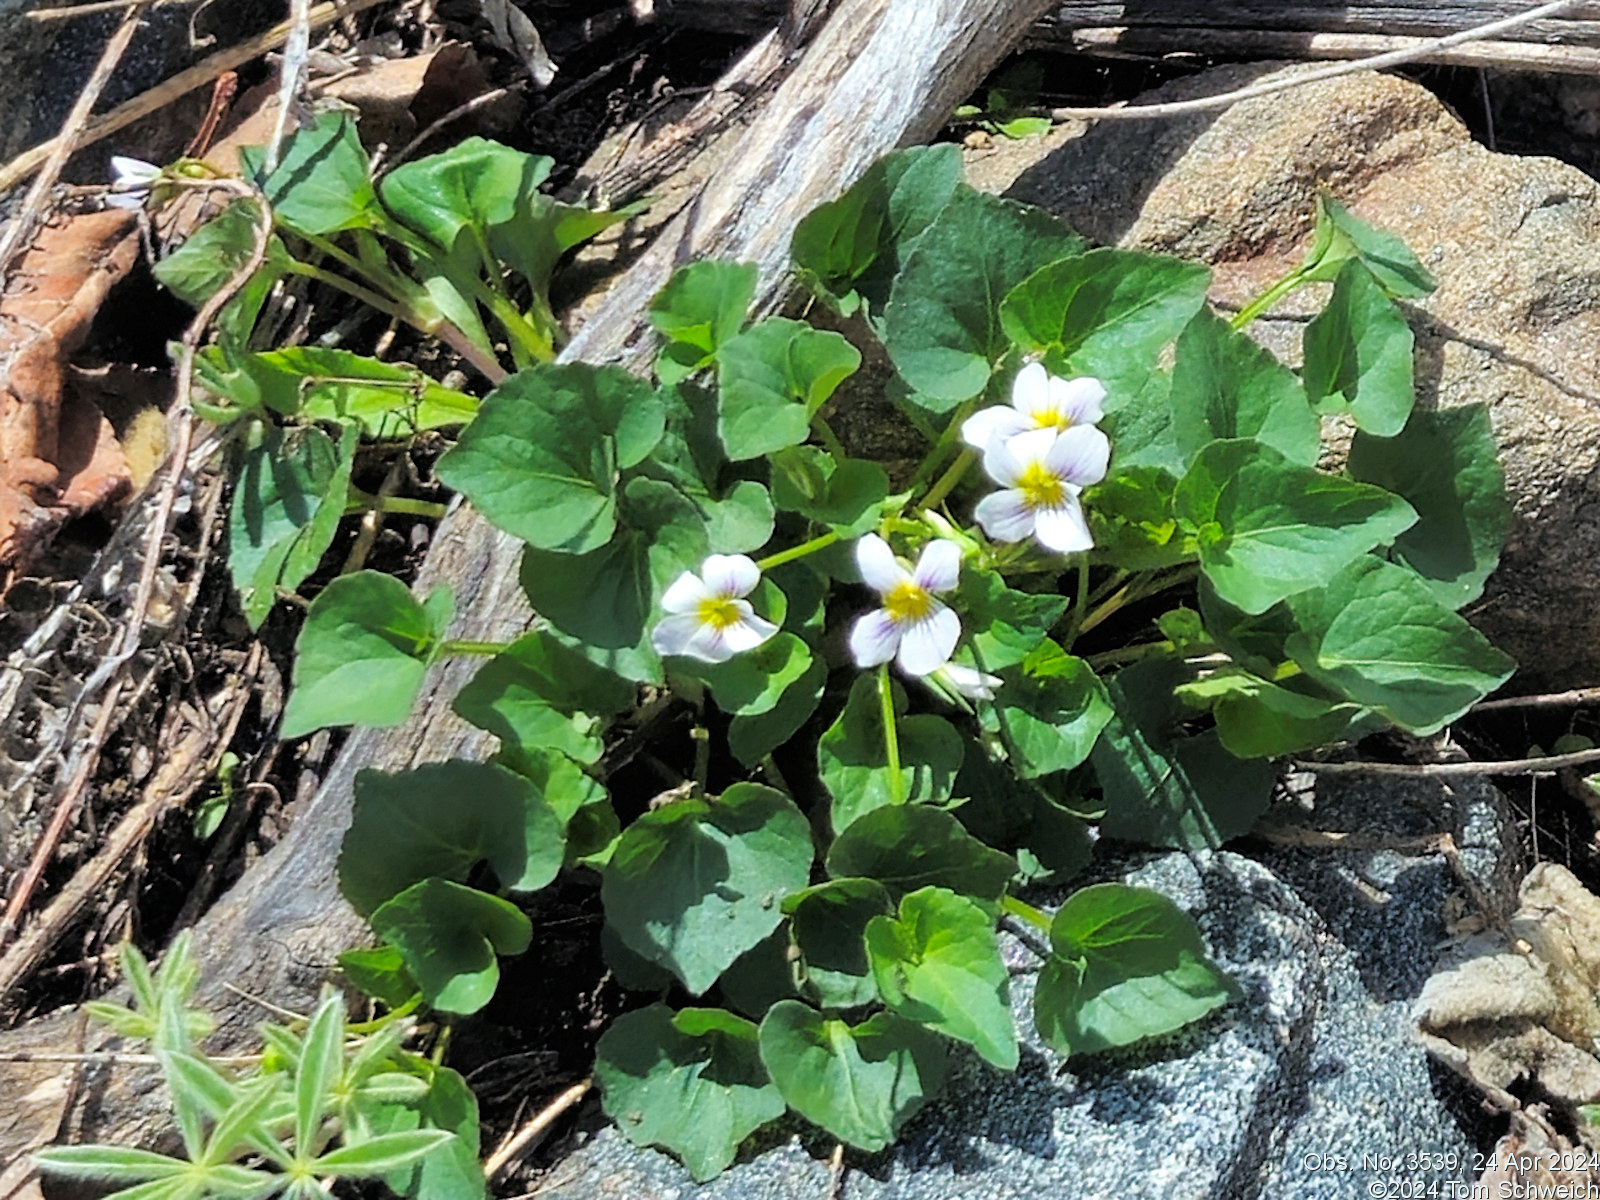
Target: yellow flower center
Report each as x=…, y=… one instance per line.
x=720, y=613
x=908, y=602
x=1049, y=418
x=1039, y=488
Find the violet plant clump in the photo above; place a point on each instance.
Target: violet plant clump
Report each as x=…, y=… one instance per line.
x=913, y=698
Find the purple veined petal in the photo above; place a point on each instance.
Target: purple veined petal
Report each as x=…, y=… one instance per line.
x=938, y=568
x=1062, y=527
x=672, y=635
x=1005, y=516
x=1030, y=391
x=1080, y=455
x=685, y=595
x=928, y=644
x=1081, y=400
x=879, y=568
x=874, y=638
x=730, y=575
x=747, y=633
x=1000, y=462
x=986, y=424
x=709, y=644
x=1034, y=446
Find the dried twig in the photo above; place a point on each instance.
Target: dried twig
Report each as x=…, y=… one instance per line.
x=1455, y=770
x=18, y=233
x=158, y=97
x=517, y=1144
x=1572, y=699
x=1378, y=62
x=291, y=74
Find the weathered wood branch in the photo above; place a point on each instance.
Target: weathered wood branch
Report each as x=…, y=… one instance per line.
x=1166, y=18
x=877, y=73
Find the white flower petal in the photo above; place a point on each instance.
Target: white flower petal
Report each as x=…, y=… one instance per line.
x=673, y=634
x=685, y=595
x=938, y=568
x=879, y=568
x=1062, y=528
x=986, y=424
x=1035, y=445
x=1080, y=455
x=1000, y=463
x=874, y=638
x=730, y=575
x=709, y=644
x=1082, y=400
x=126, y=171
x=1005, y=516
x=1030, y=392
x=128, y=200
x=748, y=633
x=927, y=645
x=974, y=685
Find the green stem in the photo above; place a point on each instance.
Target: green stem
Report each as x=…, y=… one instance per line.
x=1267, y=299
x=361, y=501
x=1080, y=606
x=701, y=736
x=950, y=478
x=830, y=440
x=891, y=736
x=946, y=437
x=820, y=542
x=1036, y=917
x=1127, y=654
x=484, y=649
x=340, y=284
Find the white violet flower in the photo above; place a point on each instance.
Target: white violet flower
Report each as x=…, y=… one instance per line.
x=1042, y=472
x=1038, y=401
x=922, y=631
x=131, y=179
x=708, y=615
x=964, y=681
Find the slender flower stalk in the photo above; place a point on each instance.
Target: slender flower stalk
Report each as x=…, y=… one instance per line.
x=1039, y=400
x=913, y=627
x=956, y=683
x=708, y=615
x=1042, y=473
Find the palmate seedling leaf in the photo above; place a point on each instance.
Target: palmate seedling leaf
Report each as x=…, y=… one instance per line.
x=1005, y=624
x=1447, y=466
x=603, y=602
x=942, y=326
x=1268, y=528
x=1225, y=385
x=911, y=846
x=861, y=1083
x=382, y=1154
x=543, y=459
x=690, y=1081
x=441, y=820
x=850, y=249
x=1106, y=313
x=450, y=936
x=1164, y=789
x=1377, y=635
x=1126, y=964
x=1049, y=712
x=287, y=501
x=772, y=378
x=842, y=494
x=694, y=884
x=702, y=306
x=318, y=1071
x=470, y=188
x=110, y=1164
x=828, y=923
x=854, y=764
x=938, y=963
x=323, y=182
x=1340, y=236
x=450, y=1171
x=1258, y=719
x=1358, y=355
x=538, y=695
x=360, y=658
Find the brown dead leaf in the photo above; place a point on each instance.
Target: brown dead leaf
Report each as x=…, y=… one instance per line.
x=58, y=457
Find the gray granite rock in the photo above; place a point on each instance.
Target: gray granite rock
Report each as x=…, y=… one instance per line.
x=1330, y=927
